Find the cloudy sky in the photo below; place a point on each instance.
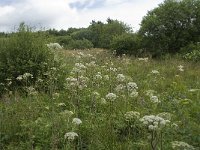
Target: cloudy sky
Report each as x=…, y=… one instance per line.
x=62, y=14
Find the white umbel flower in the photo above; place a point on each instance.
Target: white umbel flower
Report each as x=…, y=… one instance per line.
x=154, y=99
x=132, y=86
x=180, y=68
x=132, y=115
x=120, y=77
x=71, y=135
x=134, y=94
x=76, y=121
x=111, y=96
x=155, y=72
x=154, y=122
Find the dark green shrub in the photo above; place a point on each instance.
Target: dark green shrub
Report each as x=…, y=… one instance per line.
x=64, y=40
x=125, y=44
x=192, y=52
x=24, y=52
x=169, y=27
x=80, y=44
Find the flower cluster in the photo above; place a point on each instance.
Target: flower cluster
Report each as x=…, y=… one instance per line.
x=132, y=86
x=154, y=122
x=180, y=68
x=179, y=145
x=71, y=135
x=154, y=99
x=143, y=59
x=98, y=76
x=132, y=115
x=155, y=72
x=91, y=64
x=24, y=76
x=121, y=78
x=76, y=121
x=120, y=88
x=80, y=82
x=111, y=96
x=79, y=68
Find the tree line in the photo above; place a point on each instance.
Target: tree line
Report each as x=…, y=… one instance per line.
x=172, y=27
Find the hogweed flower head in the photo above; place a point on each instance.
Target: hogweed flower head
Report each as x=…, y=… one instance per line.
x=111, y=96
x=76, y=121
x=132, y=86
x=71, y=135
x=132, y=115
x=154, y=122
x=121, y=78
x=154, y=99
x=155, y=72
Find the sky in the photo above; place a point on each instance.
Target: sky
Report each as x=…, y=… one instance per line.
x=62, y=14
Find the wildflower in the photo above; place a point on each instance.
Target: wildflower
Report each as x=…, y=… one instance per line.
x=134, y=94
x=71, y=135
x=98, y=76
x=112, y=69
x=120, y=88
x=132, y=115
x=79, y=67
x=120, y=77
x=143, y=59
x=132, y=86
x=91, y=64
x=76, y=121
x=154, y=99
x=154, y=122
x=150, y=93
x=61, y=104
x=155, y=72
x=111, y=96
x=180, y=68
x=106, y=77
x=27, y=75
x=179, y=145
x=20, y=77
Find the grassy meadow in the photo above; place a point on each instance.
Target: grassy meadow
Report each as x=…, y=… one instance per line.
x=107, y=103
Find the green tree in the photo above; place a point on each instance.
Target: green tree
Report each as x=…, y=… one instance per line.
x=172, y=25
x=126, y=43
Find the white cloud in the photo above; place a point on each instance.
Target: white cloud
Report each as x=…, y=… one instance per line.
x=58, y=13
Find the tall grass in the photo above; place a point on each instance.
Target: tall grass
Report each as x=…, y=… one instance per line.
x=109, y=121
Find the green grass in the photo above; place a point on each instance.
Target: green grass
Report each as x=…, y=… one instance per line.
x=40, y=121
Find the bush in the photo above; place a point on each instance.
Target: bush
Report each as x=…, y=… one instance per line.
x=169, y=27
x=64, y=40
x=24, y=55
x=80, y=44
x=192, y=52
x=125, y=44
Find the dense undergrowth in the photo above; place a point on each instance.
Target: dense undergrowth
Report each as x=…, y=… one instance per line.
x=107, y=103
